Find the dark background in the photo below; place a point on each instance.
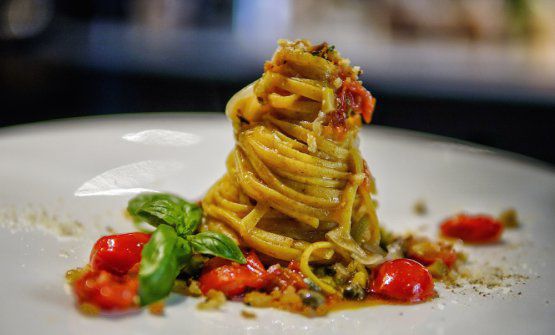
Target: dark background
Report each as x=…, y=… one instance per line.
x=493, y=86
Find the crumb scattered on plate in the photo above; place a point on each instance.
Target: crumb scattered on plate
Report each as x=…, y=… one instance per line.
x=34, y=217
x=248, y=314
x=509, y=218
x=214, y=300
x=420, y=207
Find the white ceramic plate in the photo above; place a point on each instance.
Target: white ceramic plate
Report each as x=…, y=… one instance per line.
x=58, y=176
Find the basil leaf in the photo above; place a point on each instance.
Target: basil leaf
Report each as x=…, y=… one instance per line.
x=140, y=200
x=162, y=259
x=162, y=211
x=216, y=244
x=158, y=208
x=192, y=217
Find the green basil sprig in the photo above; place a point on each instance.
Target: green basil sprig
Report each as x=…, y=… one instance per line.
x=161, y=262
x=174, y=241
x=139, y=200
x=137, y=203
x=192, y=217
x=216, y=244
x=161, y=211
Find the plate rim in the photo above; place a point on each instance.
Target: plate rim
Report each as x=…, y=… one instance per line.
x=490, y=151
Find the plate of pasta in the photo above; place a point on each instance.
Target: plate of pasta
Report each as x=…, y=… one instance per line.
x=288, y=214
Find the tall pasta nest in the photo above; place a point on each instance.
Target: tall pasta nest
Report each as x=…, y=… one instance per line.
x=296, y=186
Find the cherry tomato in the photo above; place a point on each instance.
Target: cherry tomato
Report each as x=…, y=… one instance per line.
x=281, y=278
x=232, y=278
x=353, y=96
x=118, y=253
x=472, y=228
x=403, y=279
x=106, y=290
x=427, y=252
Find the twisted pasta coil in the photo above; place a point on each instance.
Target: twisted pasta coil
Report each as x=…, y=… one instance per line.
x=295, y=178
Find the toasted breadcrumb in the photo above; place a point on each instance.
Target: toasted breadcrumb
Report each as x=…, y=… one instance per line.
x=420, y=207
x=287, y=299
x=33, y=217
x=248, y=314
x=191, y=289
x=509, y=218
x=156, y=308
x=194, y=289
x=74, y=274
x=88, y=309
x=214, y=300
x=258, y=299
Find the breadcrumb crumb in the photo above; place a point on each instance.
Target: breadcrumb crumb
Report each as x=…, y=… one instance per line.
x=156, y=308
x=74, y=274
x=214, y=300
x=420, y=207
x=509, y=218
x=288, y=300
x=248, y=314
x=191, y=289
x=88, y=309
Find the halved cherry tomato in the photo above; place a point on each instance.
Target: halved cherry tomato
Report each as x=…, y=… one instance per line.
x=427, y=252
x=281, y=278
x=472, y=228
x=118, y=253
x=403, y=279
x=106, y=290
x=353, y=96
x=232, y=278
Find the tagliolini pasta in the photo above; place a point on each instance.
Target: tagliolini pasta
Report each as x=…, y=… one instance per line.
x=296, y=186
x=297, y=193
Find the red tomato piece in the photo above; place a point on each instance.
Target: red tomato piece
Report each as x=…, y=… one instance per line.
x=472, y=228
x=106, y=290
x=427, y=252
x=403, y=279
x=281, y=278
x=352, y=95
x=118, y=253
x=232, y=278
x=295, y=266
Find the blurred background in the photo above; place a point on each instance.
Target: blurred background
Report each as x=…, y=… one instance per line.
x=477, y=70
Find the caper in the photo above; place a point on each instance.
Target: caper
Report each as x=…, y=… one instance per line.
x=324, y=271
x=353, y=292
x=311, y=284
x=311, y=298
x=320, y=271
x=329, y=271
